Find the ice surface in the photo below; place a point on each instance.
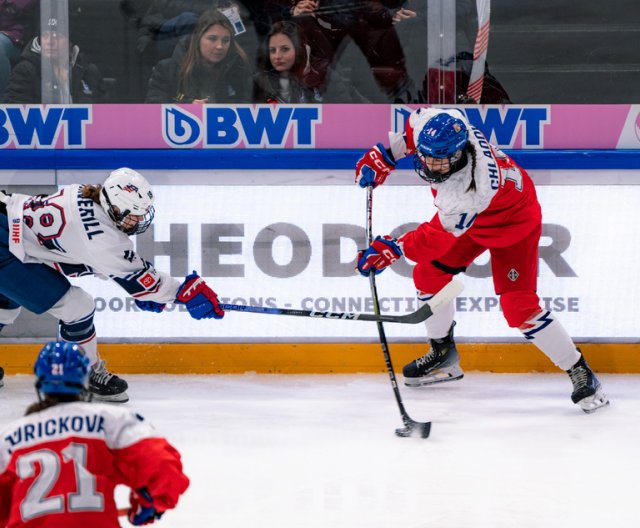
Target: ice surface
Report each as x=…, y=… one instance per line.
x=312, y=451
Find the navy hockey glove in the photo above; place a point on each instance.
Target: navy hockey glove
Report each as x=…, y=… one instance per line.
x=373, y=168
x=149, y=306
x=382, y=252
x=142, y=510
x=200, y=300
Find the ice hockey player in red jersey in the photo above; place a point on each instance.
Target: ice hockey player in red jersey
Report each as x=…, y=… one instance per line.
x=484, y=201
x=60, y=463
x=85, y=230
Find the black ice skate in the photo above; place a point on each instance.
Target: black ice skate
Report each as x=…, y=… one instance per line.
x=105, y=386
x=1, y=377
x=587, y=392
x=441, y=363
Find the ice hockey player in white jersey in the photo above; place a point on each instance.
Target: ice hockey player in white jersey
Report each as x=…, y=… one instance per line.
x=82, y=230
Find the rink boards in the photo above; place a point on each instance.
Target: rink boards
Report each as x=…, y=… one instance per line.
x=261, y=202
x=321, y=358
x=294, y=246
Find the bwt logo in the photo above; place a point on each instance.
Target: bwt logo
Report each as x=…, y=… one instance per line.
x=501, y=125
x=247, y=125
x=40, y=126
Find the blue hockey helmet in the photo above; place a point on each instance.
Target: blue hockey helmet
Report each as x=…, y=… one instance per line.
x=442, y=137
x=61, y=368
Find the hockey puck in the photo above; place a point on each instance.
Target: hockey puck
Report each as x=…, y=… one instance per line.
x=403, y=432
x=421, y=429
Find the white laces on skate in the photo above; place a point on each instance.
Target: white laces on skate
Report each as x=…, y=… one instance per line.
x=100, y=373
x=579, y=377
x=426, y=358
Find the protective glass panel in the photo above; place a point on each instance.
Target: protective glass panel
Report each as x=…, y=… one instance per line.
x=323, y=51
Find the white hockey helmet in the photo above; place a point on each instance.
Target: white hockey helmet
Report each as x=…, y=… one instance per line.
x=126, y=192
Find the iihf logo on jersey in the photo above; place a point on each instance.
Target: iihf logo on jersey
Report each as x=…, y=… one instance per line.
x=513, y=275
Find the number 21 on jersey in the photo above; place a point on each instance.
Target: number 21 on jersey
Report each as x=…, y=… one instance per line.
x=82, y=494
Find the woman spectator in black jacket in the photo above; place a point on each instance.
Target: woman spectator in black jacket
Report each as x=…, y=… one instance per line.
x=284, y=68
x=212, y=69
x=81, y=83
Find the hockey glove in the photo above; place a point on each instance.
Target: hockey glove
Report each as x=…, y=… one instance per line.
x=149, y=306
x=200, y=300
x=382, y=252
x=142, y=510
x=373, y=168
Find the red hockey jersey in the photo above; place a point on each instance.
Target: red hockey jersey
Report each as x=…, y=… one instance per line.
x=59, y=466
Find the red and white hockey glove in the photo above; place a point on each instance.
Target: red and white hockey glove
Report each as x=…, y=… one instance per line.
x=200, y=300
x=373, y=168
x=142, y=510
x=382, y=252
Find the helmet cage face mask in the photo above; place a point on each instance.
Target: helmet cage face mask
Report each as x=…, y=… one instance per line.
x=420, y=166
x=442, y=137
x=125, y=192
x=119, y=216
x=61, y=368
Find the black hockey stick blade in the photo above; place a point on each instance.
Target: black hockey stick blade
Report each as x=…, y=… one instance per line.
x=413, y=428
x=449, y=292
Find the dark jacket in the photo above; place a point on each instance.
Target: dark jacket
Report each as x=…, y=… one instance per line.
x=162, y=11
x=226, y=82
x=266, y=89
x=25, y=82
x=341, y=13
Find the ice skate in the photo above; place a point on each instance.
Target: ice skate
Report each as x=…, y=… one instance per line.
x=105, y=386
x=441, y=363
x=1, y=377
x=587, y=391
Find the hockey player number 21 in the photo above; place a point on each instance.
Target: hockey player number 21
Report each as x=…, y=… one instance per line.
x=84, y=496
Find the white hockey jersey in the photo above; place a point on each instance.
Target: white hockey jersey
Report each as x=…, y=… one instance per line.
x=501, y=208
x=75, y=235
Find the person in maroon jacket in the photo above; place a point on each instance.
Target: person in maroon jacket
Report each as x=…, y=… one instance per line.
x=17, y=23
x=485, y=201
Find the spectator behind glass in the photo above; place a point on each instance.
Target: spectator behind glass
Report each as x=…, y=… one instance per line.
x=84, y=79
x=17, y=23
x=439, y=83
x=448, y=80
x=283, y=65
x=164, y=22
x=212, y=69
x=329, y=23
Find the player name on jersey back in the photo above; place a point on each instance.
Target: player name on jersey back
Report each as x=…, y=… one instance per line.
x=55, y=428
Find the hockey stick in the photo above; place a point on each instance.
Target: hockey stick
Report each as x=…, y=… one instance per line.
x=410, y=425
x=450, y=291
